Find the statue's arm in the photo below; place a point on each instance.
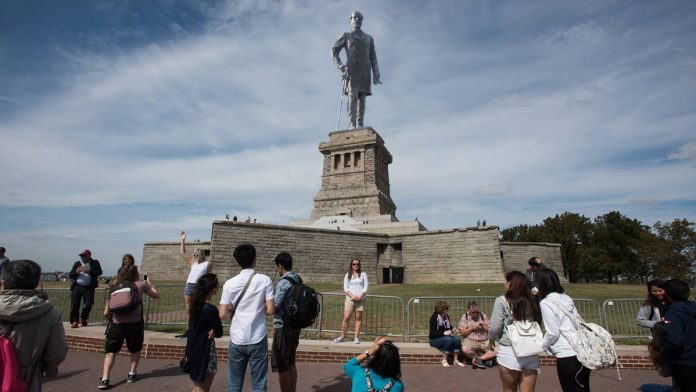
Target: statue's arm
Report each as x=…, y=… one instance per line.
x=336, y=49
x=373, y=60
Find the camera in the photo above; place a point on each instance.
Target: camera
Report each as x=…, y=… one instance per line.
x=145, y=277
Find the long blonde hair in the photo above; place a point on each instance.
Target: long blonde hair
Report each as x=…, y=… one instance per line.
x=199, y=255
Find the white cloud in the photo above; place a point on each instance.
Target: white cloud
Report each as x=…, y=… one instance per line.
x=510, y=114
x=686, y=152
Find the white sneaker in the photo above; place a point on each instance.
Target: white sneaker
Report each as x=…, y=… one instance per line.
x=356, y=341
x=338, y=340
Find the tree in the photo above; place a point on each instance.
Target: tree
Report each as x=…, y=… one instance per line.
x=616, y=240
x=522, y=233
x=676, y=254
x=570, y=230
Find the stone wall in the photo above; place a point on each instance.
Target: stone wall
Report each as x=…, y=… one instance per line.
x=466, y=255
x=318, y=255
x=451, y=256
x=162, y=261
x=516, y=255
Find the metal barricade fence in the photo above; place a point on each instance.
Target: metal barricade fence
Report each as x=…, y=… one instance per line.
x=620, y=318
x=60, y=298
x=589, y=310
x=419, y=310
x=383, y=315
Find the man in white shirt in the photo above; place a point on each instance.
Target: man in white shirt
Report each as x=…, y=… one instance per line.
x=248, y=340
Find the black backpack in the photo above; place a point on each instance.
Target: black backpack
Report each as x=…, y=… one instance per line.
x=303, y=307
x=123, y=298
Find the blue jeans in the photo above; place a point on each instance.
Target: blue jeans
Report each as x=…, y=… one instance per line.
x=255, y=355
x=447, y=344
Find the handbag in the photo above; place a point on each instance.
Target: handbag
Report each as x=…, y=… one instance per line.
x=525, y=336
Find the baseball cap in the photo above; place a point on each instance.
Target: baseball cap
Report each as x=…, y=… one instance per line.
x=86, y=253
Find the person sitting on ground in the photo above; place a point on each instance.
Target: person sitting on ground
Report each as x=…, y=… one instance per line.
x=128, y=326
x=31, y=323
x=473, y=327
x=680, y=329
x=655, y=305
x=443, y=335
x=381, y=373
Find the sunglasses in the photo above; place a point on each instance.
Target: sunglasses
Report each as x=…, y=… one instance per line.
x=356, y=264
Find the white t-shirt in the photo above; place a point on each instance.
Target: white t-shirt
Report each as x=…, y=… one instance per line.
x=355, y=285
x=197, y=270
x=249, y=323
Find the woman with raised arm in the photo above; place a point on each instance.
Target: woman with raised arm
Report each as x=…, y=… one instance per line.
x=355, y=287
x=204, y=327
x=198, y=266
x=517, y=304
x=655, y=305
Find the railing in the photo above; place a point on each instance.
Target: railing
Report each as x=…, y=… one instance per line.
x=620, y=316
x=383, y=315
x=420, y=309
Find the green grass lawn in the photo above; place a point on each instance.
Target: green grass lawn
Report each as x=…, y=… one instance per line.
x=598, y=292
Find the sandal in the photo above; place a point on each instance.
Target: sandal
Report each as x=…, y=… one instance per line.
x=445, y=364
x=456, y=362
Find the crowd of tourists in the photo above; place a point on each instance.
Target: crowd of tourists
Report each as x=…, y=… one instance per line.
x=531, y=299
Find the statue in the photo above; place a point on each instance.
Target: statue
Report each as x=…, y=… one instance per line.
x=360, y=60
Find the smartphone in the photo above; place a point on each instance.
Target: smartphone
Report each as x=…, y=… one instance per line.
x=145, y=277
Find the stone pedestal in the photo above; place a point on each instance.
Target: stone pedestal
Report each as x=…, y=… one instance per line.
x=355, y=176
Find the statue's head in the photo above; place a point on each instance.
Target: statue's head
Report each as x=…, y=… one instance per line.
x=356, y=19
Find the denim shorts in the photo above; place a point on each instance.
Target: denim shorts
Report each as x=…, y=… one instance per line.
x=189, y=289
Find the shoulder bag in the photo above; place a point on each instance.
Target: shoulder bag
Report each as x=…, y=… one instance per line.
x=525, y=336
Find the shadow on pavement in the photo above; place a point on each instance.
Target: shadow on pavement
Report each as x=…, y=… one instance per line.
x=339, y=383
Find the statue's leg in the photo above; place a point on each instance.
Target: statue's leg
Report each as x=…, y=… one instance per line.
x=353, y=99
x=361, y=110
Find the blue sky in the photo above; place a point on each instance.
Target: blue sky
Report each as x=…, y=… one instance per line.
x=124, y=122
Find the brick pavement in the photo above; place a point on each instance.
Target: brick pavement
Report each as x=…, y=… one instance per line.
x=81, y=371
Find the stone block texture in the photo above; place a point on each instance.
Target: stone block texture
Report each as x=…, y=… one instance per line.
x=516, y=255
x=162, y=260
x=470, y=255
x=355, y=175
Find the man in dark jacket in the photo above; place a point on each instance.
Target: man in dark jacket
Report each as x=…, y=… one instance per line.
x=85, y=278
x=31, y=322
x=680, y=329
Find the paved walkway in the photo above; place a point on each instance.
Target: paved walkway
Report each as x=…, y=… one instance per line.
x=81, y=372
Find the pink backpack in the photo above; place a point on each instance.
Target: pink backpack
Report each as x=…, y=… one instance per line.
x=11, y=377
